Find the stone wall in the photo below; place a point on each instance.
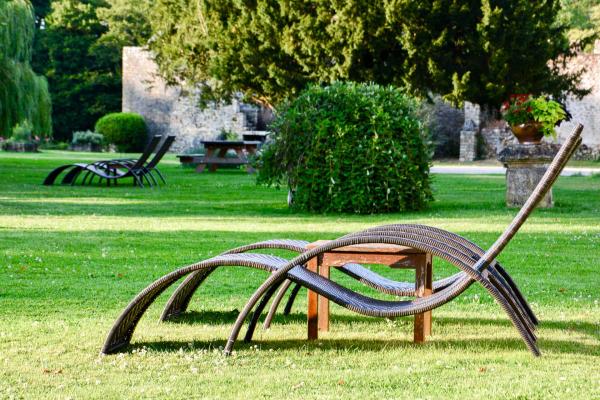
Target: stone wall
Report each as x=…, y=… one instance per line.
x=586, y=110
x=168, y=110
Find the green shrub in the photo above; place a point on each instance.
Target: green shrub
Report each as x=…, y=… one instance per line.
x=87, y=137
x=228, y=135
x=127, y=131
x=48, y=144
x=349, y=148
x=22, y=132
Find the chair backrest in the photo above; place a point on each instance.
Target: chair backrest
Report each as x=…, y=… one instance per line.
x=164, y=147
x=552, y=173
x=139, y=163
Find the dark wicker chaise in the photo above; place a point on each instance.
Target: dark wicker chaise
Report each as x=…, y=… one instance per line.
x=474, y=263
x=113, y=170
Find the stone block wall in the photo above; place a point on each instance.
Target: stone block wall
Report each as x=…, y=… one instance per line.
x=586, y=110
x=168, y=110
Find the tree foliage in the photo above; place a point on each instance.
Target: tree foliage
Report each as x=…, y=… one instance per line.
x=476, y=50
x=84, y=74
x=269, y=50
x=485, y=50
x=79, y=50
x=582, y=17
x=127, y=22
x=23, y=94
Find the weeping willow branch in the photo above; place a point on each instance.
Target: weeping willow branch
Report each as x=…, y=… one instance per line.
x=23, y=94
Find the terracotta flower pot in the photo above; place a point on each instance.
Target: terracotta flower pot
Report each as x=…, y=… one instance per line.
x=528, y=133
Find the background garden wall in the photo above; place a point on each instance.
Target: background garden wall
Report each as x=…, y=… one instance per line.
x=167, y=110
x=586, y=110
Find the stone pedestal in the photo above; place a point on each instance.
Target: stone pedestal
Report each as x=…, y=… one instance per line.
x=525, y=165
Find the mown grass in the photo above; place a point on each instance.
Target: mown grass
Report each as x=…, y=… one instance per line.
x=72, y=257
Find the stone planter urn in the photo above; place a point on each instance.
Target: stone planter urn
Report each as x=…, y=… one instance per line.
x=525, y=165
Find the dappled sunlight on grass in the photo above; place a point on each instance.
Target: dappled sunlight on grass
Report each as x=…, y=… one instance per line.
x=74, y=200
x=270, y=224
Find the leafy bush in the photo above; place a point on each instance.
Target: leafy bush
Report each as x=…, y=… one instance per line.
x=228, y=135
x=87, y=137
x=48, y=144
x=127, y=131
x=349, y=148
x=22, y=132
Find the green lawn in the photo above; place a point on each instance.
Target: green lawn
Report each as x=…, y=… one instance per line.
x=71, y=258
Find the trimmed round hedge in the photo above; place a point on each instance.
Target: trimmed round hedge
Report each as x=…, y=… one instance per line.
x=127, y=131
x=350, y=147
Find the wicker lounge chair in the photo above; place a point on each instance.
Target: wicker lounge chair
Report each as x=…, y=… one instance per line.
x=180, y=299
x=472, y=261
x=476, y=269
x=113, y=170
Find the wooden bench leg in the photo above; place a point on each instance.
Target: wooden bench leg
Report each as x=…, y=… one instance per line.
x=209, y=153
x=423, y=320
x=324, y=302
x=428, y=291
x=313, y=301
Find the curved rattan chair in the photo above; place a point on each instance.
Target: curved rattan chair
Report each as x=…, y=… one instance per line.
x=474, y=264
x=123, y=328
x=475, y=269
x=180, y=299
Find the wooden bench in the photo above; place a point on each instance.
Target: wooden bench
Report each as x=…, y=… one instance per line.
x=190, y=159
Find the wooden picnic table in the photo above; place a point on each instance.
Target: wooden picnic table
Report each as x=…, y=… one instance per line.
x=390, y=255
x=216, y=154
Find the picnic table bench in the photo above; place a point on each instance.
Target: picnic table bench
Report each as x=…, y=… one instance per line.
x=216, y=154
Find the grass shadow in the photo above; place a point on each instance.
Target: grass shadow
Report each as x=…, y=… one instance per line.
x=335, y=346
x=376, y=345
x=226, y=317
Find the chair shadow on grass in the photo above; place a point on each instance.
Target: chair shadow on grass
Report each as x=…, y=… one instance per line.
x=479, y=345
x=226, y=317
x=375, y=345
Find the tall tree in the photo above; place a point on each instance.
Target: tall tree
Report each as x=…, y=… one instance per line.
x=84, y=75
x=23, y=94
x=477, y=50
x=270, y=49
x=79, y=50
x=485, y=50
x=127, y=21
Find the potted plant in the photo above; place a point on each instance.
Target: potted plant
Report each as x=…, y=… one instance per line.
x=87, y=141
x=531, y=118
x=21, y=139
